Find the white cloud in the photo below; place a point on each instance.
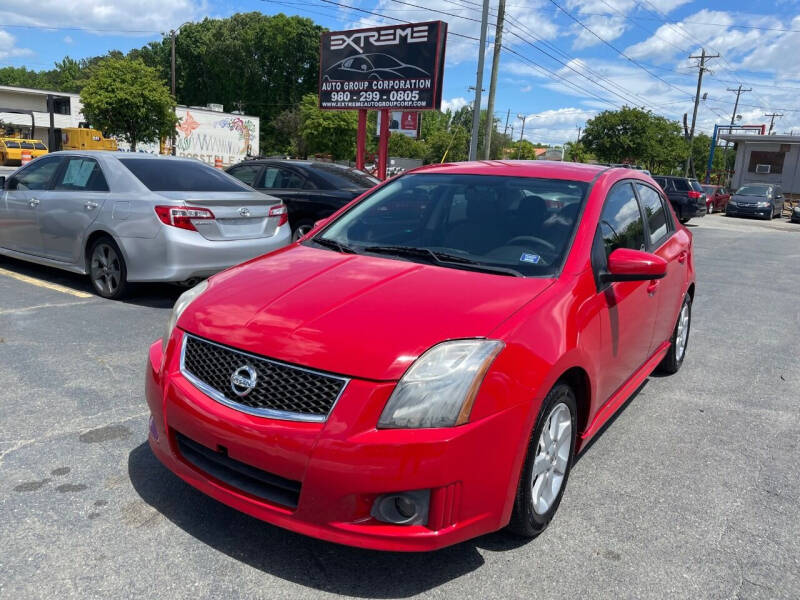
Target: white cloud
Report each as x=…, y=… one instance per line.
x=454, y=104
x=113, y=16
x=67, y=39
x=608, y=28
x=554, y=126
x=9, y=48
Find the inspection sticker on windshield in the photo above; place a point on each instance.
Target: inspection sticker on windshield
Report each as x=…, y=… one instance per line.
x=530, y=258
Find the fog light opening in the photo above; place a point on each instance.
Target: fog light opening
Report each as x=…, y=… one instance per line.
x=403, y=508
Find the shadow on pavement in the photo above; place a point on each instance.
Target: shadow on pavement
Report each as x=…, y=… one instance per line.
x=153, y=295
x=303, y=560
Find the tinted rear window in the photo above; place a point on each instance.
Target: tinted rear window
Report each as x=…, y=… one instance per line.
x=160, y=175
x=696, y=185
x=682, y=185
x=346, y=178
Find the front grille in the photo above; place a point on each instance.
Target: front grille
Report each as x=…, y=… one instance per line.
x=281, y=391
x=239, y=475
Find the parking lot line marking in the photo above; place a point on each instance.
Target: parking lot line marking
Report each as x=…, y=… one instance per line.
x=45, y=284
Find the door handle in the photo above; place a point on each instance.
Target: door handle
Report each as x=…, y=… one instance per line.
x=90, y=205
x=682, y=257
x=33, y=203
x=651, y=288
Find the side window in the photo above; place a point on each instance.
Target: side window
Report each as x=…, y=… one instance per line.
x=282, y=179
x=621, y=224
x=38, y=175
x=246, y=173
x=655, y=213
x=81, y=174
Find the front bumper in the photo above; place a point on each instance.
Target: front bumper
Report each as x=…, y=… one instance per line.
x=748, y=210
x=345, y=463
x=179, y=255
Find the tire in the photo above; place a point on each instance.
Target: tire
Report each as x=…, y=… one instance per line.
x=683, y=221
x=672, y=362
x=532, y=513
x=108, y=273
x=302, y=228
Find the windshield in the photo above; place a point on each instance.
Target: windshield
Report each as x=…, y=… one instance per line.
x=752, y=190
x=164, y=175
x=509, y=225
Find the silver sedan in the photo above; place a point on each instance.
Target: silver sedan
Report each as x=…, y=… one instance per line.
x=126, y=217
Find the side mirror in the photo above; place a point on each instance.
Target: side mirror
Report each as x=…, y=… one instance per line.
x=321, y=223
x=625, y=264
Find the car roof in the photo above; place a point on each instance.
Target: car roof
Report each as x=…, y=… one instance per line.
x=292, y=161
x=546, y=169
x=125, y=155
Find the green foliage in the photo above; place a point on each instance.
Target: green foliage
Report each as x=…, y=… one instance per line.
x=124, y=97
x=524, y=150
x=330, y=132
x=406, y=147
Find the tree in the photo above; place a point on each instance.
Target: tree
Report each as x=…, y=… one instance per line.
x=124, y=97
x=330, y=132
x=403, y=146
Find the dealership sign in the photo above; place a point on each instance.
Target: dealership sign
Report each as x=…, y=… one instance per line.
x=397, y=66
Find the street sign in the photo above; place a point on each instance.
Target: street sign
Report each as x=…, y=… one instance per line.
x=394, y=67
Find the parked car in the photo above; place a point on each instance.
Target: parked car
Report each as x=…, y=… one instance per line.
x=686, y=196
x=756, y=200
x=311, y=190
x=716, y=198
x=424, y=366
x=122, y=218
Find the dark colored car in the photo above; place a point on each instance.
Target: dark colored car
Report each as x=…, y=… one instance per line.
x=756, y=200
x=716, y=198
x=311, y=190
x=686, y=196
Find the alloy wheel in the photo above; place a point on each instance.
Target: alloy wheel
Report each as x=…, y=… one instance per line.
x=552, y=458
x=683, y=332
x=106, y=271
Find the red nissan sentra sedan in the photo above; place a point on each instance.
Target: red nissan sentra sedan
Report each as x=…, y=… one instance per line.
x=423, y=367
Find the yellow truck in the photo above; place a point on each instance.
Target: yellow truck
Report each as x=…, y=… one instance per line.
x=83, y=138
x=11, y=149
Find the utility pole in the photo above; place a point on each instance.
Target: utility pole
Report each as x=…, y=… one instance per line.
x=739, y=91
x=701, y=69
x=172, y=87
x=498, y=41
x=521, y=133
x=476, y=111
x=508, y=114
x=772, y=121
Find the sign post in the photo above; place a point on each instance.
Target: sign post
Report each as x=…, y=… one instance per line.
x=395, y=67
x=361, y=139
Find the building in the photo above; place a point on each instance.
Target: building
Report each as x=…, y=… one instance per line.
x=203, y=132
x=766, y=159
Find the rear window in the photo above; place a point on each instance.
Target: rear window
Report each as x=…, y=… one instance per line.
x=696, y=185
x=682, y=185
x=162, y=175
x=346, y=178
x=39, y=146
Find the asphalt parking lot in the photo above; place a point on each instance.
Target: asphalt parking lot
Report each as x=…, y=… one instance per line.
x=692, y=492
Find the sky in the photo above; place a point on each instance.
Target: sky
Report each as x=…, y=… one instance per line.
x=563, y=61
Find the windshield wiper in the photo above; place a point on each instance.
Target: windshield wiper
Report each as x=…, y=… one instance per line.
x=333, y=245
x=442, y=258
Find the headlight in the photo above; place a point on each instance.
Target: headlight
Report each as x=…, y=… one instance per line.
x=440, y=387
x=762, y=204
x=184, y=300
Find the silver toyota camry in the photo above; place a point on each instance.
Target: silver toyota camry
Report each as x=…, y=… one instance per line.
x=125, y=217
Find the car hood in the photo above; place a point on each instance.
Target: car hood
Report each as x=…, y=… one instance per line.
x=361, y=316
